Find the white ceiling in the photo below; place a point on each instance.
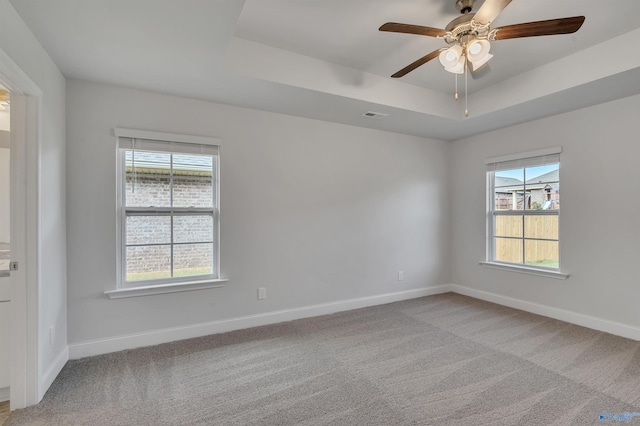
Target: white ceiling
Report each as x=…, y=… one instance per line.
x=326, y=59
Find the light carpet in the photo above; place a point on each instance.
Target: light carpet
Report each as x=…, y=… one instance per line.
x=438, y=360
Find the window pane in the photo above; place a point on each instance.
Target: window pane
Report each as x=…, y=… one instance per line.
x=543, y=174
x=541, y=226
x=148, y=230
x=544, y=196
x=509, y=198
x=148, y=262
x=508, y=250
x=542, y=253
x=514, y=177
x=192, y=191
x=147, y=179
x=192, y=259
x=509, y=189
x=508, y=226
x=193, y=180
x=192, y=164
x=193, y=229
x=542, y=184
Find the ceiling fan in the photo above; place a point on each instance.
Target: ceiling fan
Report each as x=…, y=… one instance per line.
x=469, y=35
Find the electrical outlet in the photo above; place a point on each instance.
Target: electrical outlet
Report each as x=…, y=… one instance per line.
x=262, y=293
x=400, y=275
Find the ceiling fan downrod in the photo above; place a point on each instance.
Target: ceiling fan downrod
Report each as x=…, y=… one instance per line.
x=464, y=6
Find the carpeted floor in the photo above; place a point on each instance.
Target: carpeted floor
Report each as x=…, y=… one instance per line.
x=439, y=360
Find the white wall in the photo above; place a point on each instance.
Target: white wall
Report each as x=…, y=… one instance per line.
x=314, y=211
x=599, y=231
x=17, y=41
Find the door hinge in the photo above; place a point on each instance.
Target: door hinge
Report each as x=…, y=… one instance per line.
x=13, y=266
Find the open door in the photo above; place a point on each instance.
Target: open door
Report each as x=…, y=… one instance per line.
x=19, y=284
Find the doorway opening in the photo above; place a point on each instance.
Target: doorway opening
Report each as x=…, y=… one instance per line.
x=21, y=322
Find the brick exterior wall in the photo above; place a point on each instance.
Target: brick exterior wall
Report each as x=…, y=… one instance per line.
x=153, y=190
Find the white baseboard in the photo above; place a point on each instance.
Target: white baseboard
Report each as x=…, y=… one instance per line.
x=53, y=372
x=4, y=394
x=600, y=324
x=155, y=337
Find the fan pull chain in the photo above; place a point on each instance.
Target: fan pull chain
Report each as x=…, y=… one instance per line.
x=455, y=95
x=466, y=96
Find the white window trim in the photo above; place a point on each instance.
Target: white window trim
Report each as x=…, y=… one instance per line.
x=522, y=155
x=549, y=273
x=162, y=286
x=514, y=267
x=149, y=290
x=166, y=137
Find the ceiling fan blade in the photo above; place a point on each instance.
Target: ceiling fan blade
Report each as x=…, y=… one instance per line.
x=489, y=10
x=540, y=28
x=396, y=27
x=406, y=70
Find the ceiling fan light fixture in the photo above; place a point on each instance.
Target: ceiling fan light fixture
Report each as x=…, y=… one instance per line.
x=478, y=49
x=474, y=48
x=450, y=57
x=469, y=36
x=458, y=68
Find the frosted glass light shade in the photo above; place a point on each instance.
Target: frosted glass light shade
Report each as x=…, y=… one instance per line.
x=458, y=68
x=450, y=57
x=477, y=50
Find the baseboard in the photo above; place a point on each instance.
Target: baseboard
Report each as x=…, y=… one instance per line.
x=155, y=337
x=4, y=394
x=53, y=372
x=600, y=324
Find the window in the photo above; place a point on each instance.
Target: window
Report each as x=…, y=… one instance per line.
x=168, y=209
x=523, y=210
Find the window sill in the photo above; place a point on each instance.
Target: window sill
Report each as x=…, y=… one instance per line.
x=525, y=270
x=164, y=288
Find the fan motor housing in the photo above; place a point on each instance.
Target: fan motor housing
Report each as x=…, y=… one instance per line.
x=459, y=22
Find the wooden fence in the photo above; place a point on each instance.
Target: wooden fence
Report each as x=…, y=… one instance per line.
x=536, y=252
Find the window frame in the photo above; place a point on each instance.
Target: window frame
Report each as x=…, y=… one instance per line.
x=174, y=144
x=529, y=159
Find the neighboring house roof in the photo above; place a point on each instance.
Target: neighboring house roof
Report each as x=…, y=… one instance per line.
x=507, y=184
x=507, y=181
x=552, y=176
x=548, y=179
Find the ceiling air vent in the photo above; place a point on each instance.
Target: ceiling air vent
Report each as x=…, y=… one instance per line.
x=376, y=115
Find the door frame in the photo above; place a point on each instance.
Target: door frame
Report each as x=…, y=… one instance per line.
x=26, y=107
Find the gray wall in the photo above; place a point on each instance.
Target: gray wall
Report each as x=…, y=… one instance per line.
x=599, y=230
x=314, y=211
x=17, y=41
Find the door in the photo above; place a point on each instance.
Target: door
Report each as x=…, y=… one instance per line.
x=22, y=344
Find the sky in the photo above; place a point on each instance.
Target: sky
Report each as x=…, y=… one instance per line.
x=531, y=172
